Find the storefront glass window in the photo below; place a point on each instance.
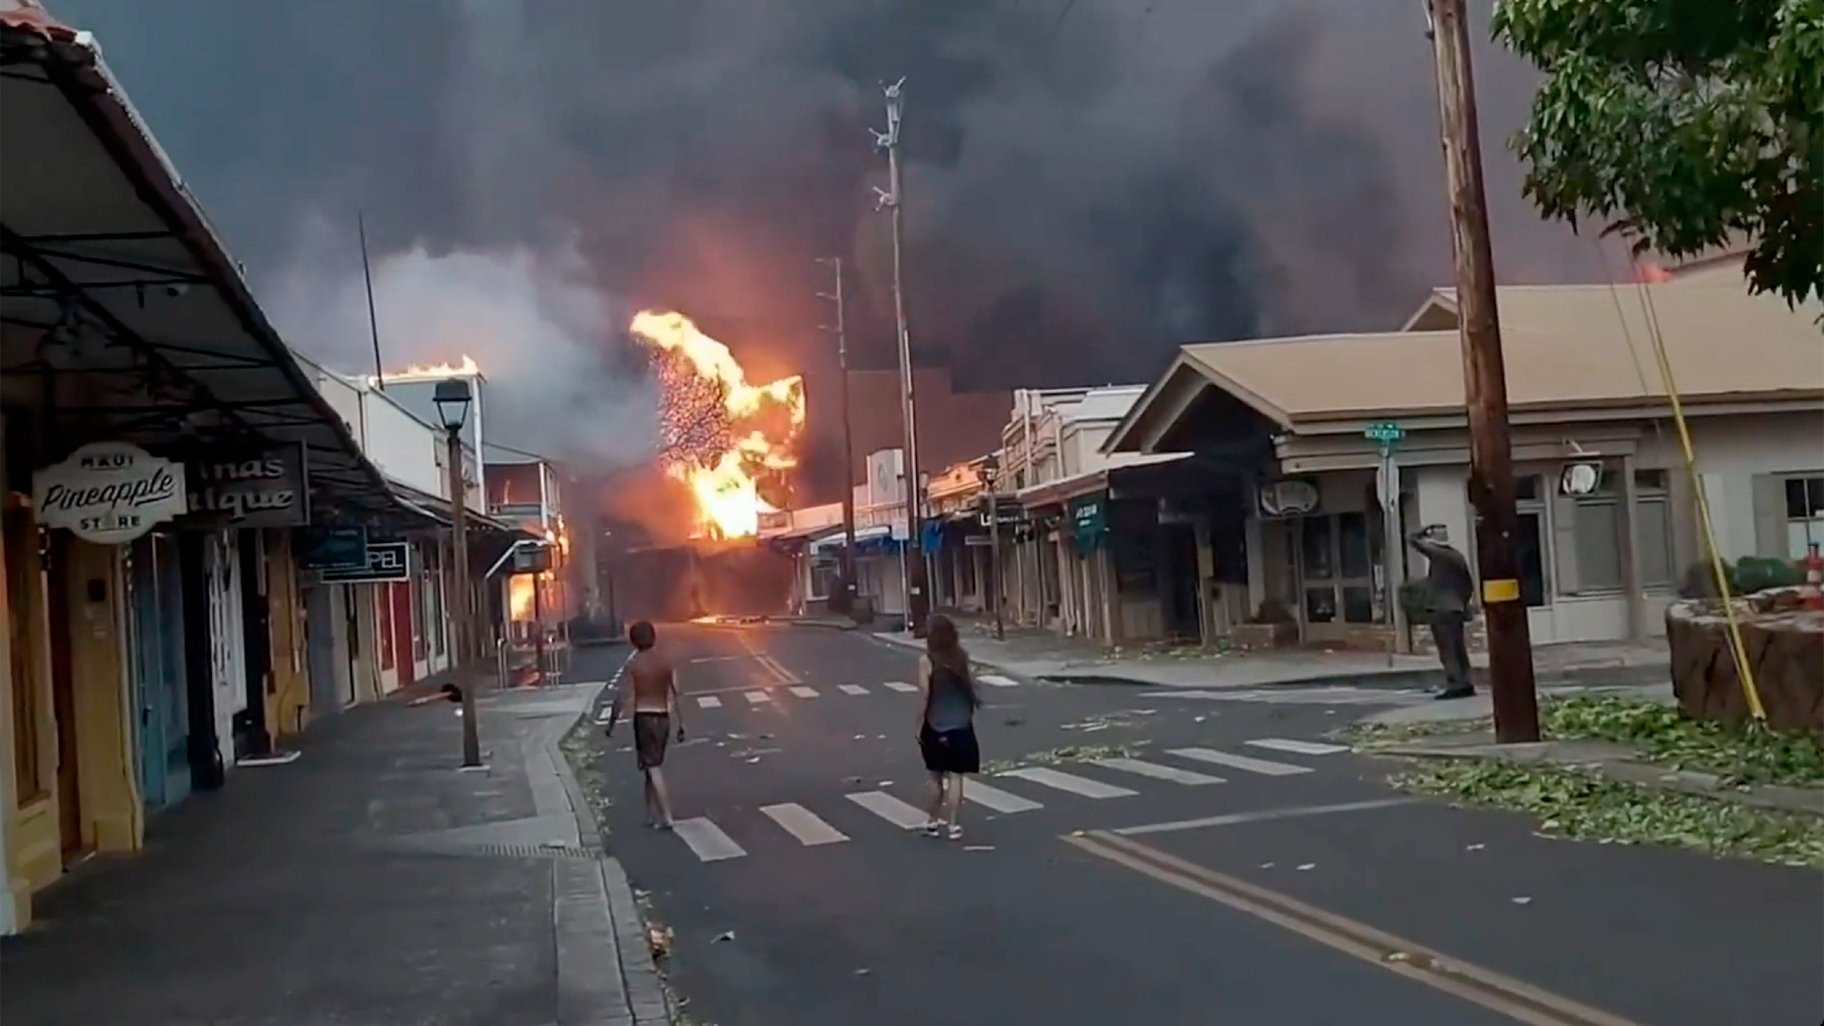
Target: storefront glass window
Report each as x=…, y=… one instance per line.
x=1315, y=541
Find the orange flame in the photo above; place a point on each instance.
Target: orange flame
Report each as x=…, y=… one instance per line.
x=436, y=371
x=519, y=595
x=724, y=484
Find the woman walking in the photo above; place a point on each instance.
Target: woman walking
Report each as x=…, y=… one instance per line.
x=946, y=728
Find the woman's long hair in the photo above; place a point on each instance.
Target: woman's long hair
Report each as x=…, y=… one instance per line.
x=946, y=652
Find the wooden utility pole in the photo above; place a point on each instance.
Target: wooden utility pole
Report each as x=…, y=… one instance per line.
x=840, y=328
x=1491, y=475
x=912, y=553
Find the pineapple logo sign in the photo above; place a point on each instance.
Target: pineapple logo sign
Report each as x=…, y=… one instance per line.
x=109, y=492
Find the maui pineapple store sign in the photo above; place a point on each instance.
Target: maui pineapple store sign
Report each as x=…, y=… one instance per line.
x=109, y=492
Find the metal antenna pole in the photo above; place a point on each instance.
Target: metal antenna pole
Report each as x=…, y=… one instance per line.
x=373, y=322
x=892, y=200
x=848, y=439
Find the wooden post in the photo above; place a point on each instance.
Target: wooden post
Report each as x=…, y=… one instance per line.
x=1491, y=479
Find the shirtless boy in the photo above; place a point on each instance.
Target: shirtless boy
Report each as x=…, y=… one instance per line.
x=655, y=706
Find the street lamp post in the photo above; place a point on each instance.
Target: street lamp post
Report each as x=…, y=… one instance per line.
x=452, y=398
x=991, y=477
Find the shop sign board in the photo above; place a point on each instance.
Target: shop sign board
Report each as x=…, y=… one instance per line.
x=386, y=562
x=247, y=488
x=1089, y=521
x=335, y=548
x=109, y=492
x=1290, y=497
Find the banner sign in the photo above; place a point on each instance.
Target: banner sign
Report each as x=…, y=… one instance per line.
x=386, y=561
x=335, y=548
x=108, y=492
x=1089, y=521
x=258, y=488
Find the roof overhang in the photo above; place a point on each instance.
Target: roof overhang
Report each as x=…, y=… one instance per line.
x=1168, y=399
x=115, y=282
x=1103, y=479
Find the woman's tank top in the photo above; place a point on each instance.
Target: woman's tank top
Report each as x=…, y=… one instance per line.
x=949, y=707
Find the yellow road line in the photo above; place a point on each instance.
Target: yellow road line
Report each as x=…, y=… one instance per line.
x=768, y=663
x=1514, y=998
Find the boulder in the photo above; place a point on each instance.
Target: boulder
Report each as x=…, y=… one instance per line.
x=1784, y=644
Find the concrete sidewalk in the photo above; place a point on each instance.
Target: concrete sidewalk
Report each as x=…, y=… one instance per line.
x=1042, y=655
x=369, y=882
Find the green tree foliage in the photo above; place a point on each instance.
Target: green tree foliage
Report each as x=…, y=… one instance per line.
x=1682, y=124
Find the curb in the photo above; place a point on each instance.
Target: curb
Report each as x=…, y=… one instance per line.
x=635, y=996
x=1649, y=776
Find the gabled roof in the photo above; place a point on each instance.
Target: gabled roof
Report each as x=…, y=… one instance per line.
x=1564, y=347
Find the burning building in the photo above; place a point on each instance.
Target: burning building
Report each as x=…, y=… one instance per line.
x=727, y=440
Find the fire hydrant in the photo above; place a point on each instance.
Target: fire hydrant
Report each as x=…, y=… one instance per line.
x=1814, y=578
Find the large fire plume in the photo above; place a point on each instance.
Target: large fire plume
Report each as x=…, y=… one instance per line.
x=719, y=434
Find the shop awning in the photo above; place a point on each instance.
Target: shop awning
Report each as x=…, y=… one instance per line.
x=876, y=537
x=114, y=276
x=1121, y=466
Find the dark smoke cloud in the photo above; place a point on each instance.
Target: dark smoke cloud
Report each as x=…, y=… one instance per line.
x=1082, y=194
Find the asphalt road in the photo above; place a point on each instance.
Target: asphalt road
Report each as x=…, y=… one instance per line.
x=1239, y=868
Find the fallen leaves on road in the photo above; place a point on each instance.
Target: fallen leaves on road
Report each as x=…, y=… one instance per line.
x=1066, y=753
x=725, y=935
x=1587, y=807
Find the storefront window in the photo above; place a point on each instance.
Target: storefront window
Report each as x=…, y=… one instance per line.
x=1352, y=537
x=1315, y=540
x=823, y=578
x=1339, y=554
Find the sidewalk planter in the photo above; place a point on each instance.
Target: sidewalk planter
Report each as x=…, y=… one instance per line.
x=1255, y=637
x=1785, y=651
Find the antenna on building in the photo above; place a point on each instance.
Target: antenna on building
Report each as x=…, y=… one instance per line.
x=373, y=322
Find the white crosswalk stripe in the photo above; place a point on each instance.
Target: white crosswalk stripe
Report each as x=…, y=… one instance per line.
x=994, y=798
x=995, y=680
x=889, y=808
x=1280, y=744
x=1240, y=762
x=1068, y=782
x=707, y=841
x=900, y=685
x=851, y=689
x=804, y=692
x=757, y=697
x=709, y=702
x=1158, y=772
x=803, y=824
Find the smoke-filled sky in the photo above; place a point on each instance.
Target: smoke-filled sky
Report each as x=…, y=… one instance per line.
x=1083, y=191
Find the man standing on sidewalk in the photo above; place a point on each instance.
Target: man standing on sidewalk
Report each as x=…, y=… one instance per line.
x=1449, y=587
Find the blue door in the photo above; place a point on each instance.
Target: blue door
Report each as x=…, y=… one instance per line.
x=156, y=637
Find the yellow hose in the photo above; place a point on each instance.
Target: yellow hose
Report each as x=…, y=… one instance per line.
x=1737, y=649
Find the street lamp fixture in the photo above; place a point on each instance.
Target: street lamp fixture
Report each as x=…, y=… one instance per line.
x=452, y=398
